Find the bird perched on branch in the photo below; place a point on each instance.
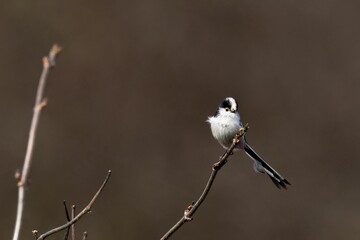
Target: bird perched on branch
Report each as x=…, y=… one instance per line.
x=225, y=124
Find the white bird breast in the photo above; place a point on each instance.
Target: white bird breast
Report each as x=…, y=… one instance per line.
x=224, y=127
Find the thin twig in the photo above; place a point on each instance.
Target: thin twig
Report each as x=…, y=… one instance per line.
x=66, y=211
x=40, y=102
x=68, y=219
x=35, y=234
x=190, y=210
x=84, y=236
x=87, y=209
x=73, y=207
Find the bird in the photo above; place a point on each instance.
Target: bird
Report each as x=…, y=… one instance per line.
x=225, y=123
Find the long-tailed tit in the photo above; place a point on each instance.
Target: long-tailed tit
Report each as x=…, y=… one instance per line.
x=225, y=124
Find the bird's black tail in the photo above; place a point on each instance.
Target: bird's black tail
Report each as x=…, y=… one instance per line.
x=262, y=166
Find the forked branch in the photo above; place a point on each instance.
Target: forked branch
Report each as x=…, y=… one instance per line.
x=87, y=209
x=192, y=208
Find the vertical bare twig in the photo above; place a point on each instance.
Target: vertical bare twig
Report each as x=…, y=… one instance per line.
x=190, y=210
x=68, y=219
x=87, y=209
x=40, y=102
x=73, y=226
x=84, y=236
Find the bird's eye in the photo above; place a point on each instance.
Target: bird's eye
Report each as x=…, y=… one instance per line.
x=227, y=109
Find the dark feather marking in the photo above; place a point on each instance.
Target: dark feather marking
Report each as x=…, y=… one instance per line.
x=225, y=104
x=277, y=179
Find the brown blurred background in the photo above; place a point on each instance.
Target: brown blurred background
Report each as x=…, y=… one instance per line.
x=132, y=90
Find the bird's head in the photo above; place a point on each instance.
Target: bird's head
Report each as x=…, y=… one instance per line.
x=227, y=107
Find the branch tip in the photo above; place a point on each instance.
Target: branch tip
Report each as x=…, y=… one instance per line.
x=66, y=211
x=73, y=207
x=35, y=233
x=56, y=49
x=85, y=235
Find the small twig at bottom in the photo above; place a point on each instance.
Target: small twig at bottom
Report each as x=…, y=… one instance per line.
x=68, y=219
x=191, y=209
x=84, y=236
x=73, y=208
x=87, y=209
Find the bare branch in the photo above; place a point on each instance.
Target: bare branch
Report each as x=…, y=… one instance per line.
x=68, y=219
x=84, y=236
x=40, y=102
x=87, y=209
x=66, y=211
x=73, y=208
x=35, y=234
x=192, y=208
